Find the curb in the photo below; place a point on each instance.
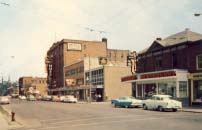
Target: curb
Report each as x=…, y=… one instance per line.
x=191, y=111
x=7, y=115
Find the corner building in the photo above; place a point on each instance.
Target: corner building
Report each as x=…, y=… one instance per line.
x=170, y=66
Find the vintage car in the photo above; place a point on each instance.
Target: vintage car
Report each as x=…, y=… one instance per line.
x=162, y=103
x=22, y=97
x=31, y=98
x=4, y=100
x=126, y=101
x=70, y=99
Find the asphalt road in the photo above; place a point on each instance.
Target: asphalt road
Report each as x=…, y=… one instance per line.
x=41, y=115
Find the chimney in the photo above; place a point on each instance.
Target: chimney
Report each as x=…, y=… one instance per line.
x=158, y=38
x=104, y=40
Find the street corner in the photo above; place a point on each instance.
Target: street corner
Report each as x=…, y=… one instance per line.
x=8, y=120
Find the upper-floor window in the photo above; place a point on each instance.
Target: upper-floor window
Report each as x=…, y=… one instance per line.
x=174, y=60
x=158, y=63
x=199, y=62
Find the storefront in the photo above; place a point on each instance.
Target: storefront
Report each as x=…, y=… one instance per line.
x=171, y=82
x=196, y=88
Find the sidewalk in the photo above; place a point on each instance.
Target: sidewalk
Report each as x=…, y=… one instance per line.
x=5, y=120
x=4, y=124
x=192, y=109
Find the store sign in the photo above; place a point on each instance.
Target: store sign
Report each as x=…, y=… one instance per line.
x=158, y=75
x=70, y=82
x=74, y=46
x=128, y=78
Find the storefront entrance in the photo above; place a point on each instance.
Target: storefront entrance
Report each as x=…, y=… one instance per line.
x=197, y=91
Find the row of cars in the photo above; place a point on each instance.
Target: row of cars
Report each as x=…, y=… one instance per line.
x=156, y=102
x=66, y=99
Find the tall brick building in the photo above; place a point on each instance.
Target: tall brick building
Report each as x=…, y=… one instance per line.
x=171, y=66
x=67, y=61
x=66, y=52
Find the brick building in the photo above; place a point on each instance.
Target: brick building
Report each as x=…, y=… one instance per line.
x=66, y=52
x=33, y=85
x=68, y=60
x=170, y=66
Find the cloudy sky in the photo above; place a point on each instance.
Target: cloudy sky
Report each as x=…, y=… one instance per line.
x=29, y=27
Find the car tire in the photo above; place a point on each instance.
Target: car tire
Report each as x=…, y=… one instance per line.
x=145, y=107
x=174, y=110
x=114, y=104
x=160, y=108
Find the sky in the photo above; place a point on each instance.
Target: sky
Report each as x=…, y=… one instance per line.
x=28, y=28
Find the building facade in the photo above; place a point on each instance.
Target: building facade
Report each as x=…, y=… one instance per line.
x=33, y=85
x=68, y=61
x=170, y=66
x=67, y=52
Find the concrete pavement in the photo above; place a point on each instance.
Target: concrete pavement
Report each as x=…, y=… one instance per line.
x=5, y=120
x=41, y=115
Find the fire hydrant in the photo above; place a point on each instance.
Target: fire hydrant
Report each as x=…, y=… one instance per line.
x=12, y=116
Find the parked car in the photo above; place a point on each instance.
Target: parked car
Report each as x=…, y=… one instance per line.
x=70, y=99
x=62, y=98
x=4, y=100
x=39, y=97
x=46, y=98
x=31, y=98
x=55, y=98
x=162, y=103
x=126, y=101
x=22, y=98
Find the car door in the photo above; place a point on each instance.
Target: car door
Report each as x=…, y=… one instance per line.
x=122, y=101
x=151, y=103
x=157, y=102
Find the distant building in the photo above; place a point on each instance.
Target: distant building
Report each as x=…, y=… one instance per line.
x=170, y=66
x=33, y=85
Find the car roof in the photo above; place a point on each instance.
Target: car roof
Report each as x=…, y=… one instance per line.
x=162, y=96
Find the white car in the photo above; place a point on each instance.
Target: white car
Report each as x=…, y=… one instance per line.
x=70, y=99
x=22, y=98
x=62, y=98
x=46, y=98
x=4, y=100
x=162, y=103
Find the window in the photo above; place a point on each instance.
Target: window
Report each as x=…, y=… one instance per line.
x=158, y=63
x=174, y=60
x=183, y=88
x=199, y=62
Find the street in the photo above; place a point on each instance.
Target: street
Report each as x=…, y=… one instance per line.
x=41, y=115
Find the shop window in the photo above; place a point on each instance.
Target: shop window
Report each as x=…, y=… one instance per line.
x=199, y=62
x=167, y=88
x=139, y=90
x=183, y=89
x=198, y=91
